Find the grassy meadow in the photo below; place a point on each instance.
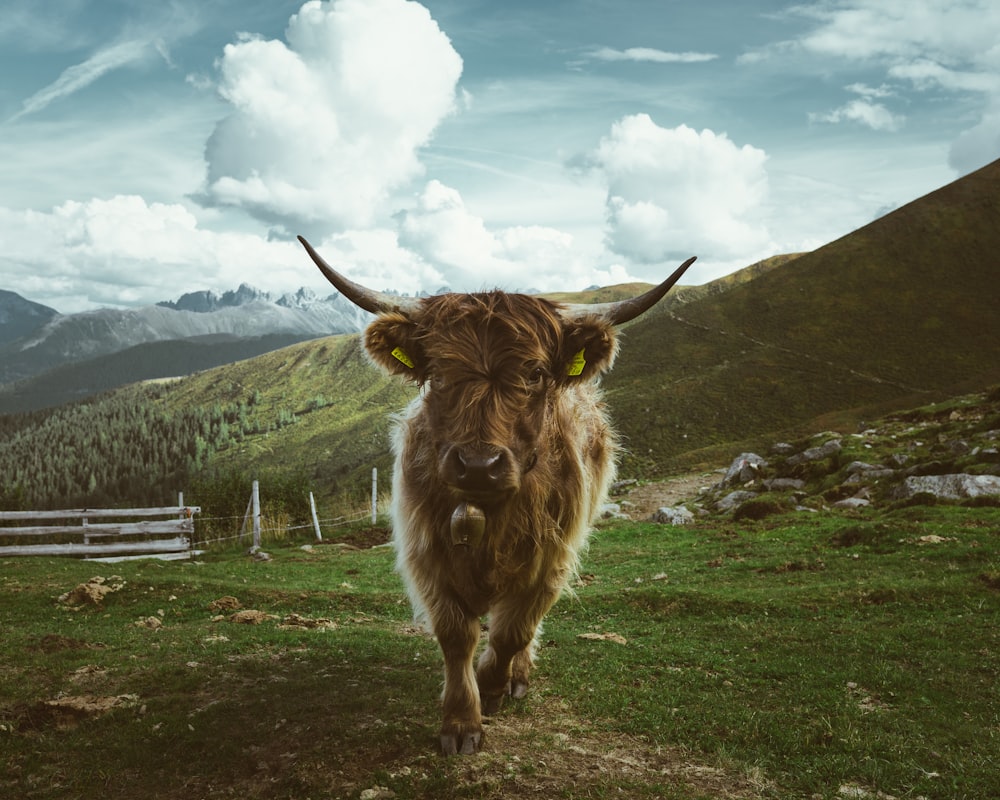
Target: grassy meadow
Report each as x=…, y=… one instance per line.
x=805, y=655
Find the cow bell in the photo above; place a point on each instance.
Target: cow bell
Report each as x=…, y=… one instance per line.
x=468, y=524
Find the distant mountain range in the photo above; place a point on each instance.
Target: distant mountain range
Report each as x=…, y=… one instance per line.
x=214, y=329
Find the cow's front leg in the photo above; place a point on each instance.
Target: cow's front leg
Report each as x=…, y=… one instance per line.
x=506, y=662
x=462, y=726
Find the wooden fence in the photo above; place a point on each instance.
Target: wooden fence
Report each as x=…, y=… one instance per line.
x=118, y=536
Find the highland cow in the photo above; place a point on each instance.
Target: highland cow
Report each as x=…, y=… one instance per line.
x=502, y=462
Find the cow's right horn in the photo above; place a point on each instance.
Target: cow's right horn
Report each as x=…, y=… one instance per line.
x=622, y=311
x=361, y=296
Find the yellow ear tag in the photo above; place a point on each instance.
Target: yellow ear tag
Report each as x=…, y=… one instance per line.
x=400, y=355
x=575, y=367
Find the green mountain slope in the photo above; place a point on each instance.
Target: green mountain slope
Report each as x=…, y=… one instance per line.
x=902, y=310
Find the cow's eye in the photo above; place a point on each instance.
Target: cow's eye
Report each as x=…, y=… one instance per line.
x=536, y=378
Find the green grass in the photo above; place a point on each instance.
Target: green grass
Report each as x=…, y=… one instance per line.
x=782, y=658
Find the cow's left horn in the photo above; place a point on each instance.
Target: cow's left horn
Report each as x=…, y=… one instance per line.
x=361, y=296
x=624, y=310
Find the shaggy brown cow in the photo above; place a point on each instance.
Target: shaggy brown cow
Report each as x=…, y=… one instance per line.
x=501, y=463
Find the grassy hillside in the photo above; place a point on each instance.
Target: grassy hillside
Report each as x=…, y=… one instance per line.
x=896, y=313
x=332, y=403
x=900, y=313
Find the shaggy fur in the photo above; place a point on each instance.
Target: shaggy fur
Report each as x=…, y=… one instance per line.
x=493, y=370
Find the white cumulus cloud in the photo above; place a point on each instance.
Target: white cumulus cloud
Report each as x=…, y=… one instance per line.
x=673, y=192
x=469, y=255
x=124, y=251
x=328, y=123
x=873, y=115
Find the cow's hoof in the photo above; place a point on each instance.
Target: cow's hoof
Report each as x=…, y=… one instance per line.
x=491, y=703
x=457, y=744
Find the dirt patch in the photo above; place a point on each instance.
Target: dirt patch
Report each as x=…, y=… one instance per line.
x=225, y=603
x=646, y=498
x=362, y=539
x=70, y=711
x=551, y=753
x=93, y=591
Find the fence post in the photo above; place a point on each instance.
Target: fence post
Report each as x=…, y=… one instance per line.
x=374, y=495
x=312, y=507
x=255, y=499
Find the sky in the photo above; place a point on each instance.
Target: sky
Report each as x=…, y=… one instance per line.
x=152, y=149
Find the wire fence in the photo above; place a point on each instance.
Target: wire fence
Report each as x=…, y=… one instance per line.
x=269, y=529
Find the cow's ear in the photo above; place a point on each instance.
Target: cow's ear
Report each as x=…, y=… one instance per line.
x=392, y=344
x=589, y=348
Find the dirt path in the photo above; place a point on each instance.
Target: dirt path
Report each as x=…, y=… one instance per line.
x=646, y=498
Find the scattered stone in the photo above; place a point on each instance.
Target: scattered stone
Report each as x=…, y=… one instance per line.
x=858, y=466
x=377, y=793
x=672, y=515
x=620, y=486
x=951, y=487
x=746, y=467
x=733, y=500
x=874, y=474
x=825, y=450
x=782, y=449
x=852, y=503
x=152, y=623
x=612, y=511
x=784, y=484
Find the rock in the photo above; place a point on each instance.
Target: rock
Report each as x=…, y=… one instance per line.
x=746, y=467
x=859, y=466
x=958, y=447
x=782, y=449
x=784, y=484
x=869, y=475
x=852, y=503
x=733, y=500
x=825, y=450
x=672, y=515
x=952, y=487
x=620, y=486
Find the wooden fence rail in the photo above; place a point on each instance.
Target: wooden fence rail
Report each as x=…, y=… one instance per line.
x=122, y=538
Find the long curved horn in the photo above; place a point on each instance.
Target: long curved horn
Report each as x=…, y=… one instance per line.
x=622, y=311
x=361, y=296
